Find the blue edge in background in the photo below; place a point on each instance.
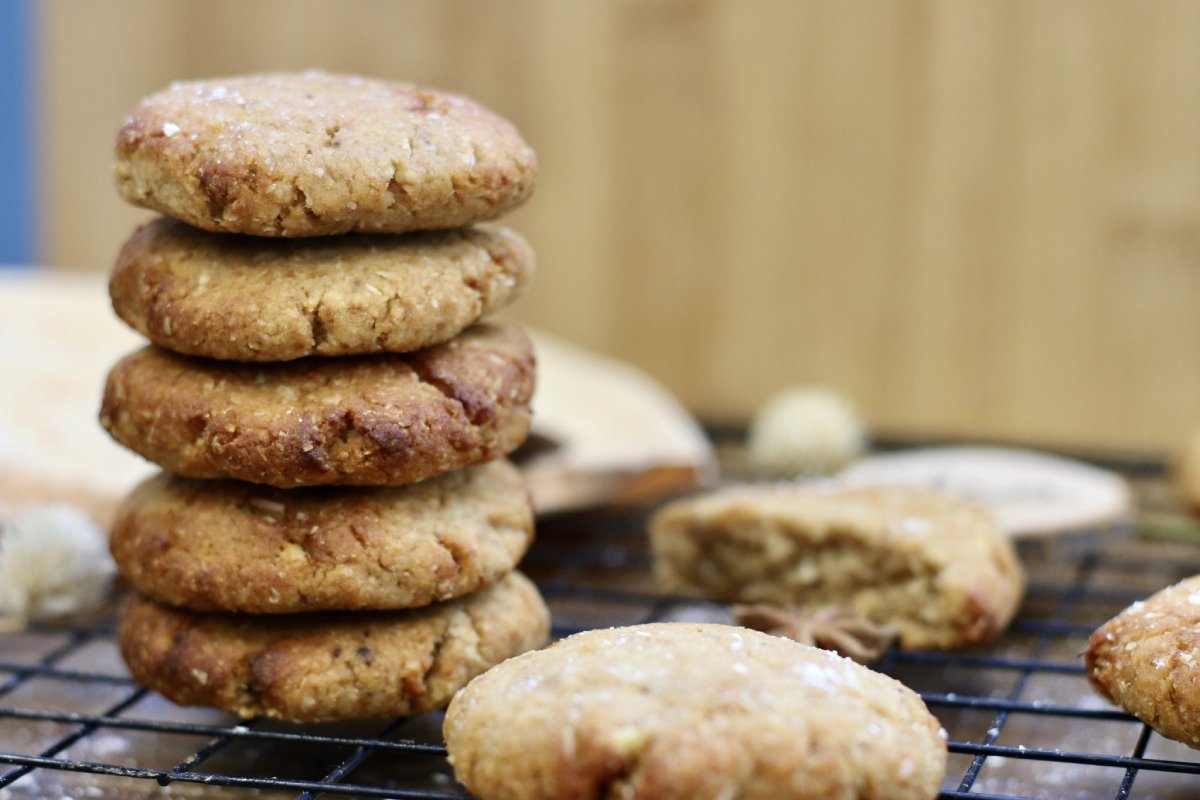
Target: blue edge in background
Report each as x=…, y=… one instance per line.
x=18, y=197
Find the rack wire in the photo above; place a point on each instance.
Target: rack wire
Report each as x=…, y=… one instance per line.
x=1022, y=721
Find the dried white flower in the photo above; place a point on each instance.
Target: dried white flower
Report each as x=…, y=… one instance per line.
x=53, y=561
x=805, y=432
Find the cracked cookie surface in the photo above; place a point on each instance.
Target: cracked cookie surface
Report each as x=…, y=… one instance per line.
x=314, y=153
x=235, y=546
x=381, y=420
x=247, y=298
x=325, y=667
x=679, y=711
x=1147, y=661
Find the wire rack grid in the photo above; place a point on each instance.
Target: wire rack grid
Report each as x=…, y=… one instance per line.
x=1022, y=721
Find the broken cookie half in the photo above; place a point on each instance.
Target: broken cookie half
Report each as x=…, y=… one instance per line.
x=933, y=566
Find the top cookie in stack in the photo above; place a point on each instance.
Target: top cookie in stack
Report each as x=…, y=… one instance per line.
x=316, y=154
x=287, y=357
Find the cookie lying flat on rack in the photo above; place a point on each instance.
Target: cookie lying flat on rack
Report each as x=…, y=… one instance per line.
x=251, y=299
x=1147, y=661
x=675, y=711
x=934, y=566
x=313, y=153
x=325, y=667
x=362, y=420
x=234, y=546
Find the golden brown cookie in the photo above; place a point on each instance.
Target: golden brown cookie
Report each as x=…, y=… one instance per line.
x=1147, y=661
x=251, y=299
x=323, y=667
x=312, y=153
x=936, y=567
x=365, y=420
x=681, y=711
x=235, y=546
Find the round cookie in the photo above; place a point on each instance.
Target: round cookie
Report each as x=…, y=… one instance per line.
x=234, y=546
x=325, y=667
x=936, y=567
x=313, y=153
x=251, y=299
x=1147, y=661
x=380, y=420
x=676, y=711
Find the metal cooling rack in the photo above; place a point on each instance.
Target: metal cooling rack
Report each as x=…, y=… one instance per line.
x=1022, y=721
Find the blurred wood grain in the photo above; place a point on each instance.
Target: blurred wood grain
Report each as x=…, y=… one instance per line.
x=974, y=218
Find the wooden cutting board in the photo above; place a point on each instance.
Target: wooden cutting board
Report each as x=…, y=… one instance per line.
x=1031, y=494
x=604, y=432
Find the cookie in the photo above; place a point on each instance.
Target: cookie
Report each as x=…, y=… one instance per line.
x=362, y=420
x=324, y=667
x=934, y=566
x=251, y=299
x=234, y=546
x=1147, y=661
x=313, y=153
x=677, y=711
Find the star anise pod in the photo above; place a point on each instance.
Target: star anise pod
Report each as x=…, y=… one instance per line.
x=830, y=628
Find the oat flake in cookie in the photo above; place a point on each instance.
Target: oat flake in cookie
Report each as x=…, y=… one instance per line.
x=313, y=153
x=1147, y=661
x=681, y=711
x=334, y=666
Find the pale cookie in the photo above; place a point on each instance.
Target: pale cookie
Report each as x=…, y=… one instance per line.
x=680, y=711
x=310, y=154
x=1147, y=661
x=934, y=566
x=251, y=299
x=365, y=420
x=234, y=546
x=323, y=667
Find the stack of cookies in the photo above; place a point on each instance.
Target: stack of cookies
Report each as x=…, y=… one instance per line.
x=335, y=531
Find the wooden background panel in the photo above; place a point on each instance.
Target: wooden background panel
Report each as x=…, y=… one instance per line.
x=977, y=219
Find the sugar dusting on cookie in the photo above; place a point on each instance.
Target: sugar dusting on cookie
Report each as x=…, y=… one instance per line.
x=1142, y=660
x=708, y=710
x=316, y=153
